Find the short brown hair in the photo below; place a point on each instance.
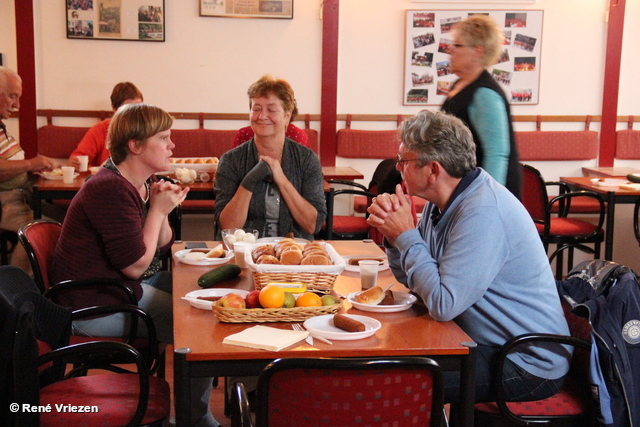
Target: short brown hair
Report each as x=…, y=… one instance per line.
x=123, y=91
x=268, y=85
x=482, y=30
x=137, y=122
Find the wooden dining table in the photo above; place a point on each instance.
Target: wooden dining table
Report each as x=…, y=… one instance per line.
x=49, y=189
x=341, y=172
x=198, y=335
x=611, y=195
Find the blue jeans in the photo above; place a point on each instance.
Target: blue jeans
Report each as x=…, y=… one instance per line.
x=519, y=385
x=156, y=302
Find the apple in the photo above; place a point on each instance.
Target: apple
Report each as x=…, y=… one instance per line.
x=253, y=299
x=232, y=300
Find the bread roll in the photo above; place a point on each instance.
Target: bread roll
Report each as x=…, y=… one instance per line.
x=348, y=324
x=211, y=160
x=262, y=250
x=316, y=252
x=217, y=252
x=311, y=246
x=316, y=259
x=188, y=161
x=286, y=246
x=291, y=257
x=268, y=259
x=199, y=161
x=371, y=296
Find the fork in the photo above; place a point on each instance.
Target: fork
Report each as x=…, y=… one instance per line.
x=297, y=327
x=309, y=339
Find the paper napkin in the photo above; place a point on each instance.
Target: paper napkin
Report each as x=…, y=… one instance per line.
x=266, y=338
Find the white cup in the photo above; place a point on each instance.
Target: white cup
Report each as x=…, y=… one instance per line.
x=84, y=163
x=368, y=273
x=238, y=250
x=68, y=174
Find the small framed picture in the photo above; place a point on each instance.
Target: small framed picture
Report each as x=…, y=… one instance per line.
x=116, y=20
x=282, y=9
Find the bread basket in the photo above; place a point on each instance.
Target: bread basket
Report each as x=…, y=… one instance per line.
x=263, y=315
x=318, y=278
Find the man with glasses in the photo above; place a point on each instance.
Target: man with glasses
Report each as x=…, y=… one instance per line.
x=14, y=168
x=475, y=257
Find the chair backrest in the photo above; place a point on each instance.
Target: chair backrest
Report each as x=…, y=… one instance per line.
x=384, y=178
x=350, y=391
x=39, y=239
x=25, y=317
x=534, y=192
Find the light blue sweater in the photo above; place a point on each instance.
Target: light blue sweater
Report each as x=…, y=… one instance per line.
x=484, y=266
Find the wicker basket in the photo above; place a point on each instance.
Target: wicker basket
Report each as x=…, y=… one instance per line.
x=318, y=278
x=263, y=315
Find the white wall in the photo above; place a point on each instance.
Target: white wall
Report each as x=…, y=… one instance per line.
x=207, y=63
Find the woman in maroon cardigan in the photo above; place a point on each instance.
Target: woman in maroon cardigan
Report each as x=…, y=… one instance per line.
x=117, y=226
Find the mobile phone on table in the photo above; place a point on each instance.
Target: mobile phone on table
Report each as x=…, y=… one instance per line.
x=195, y=245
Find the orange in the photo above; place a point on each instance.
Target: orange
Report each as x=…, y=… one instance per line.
x=271, y=296
x=308, y=299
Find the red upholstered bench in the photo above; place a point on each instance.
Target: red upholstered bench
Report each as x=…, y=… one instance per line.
x=561, y=146
x=628, y=144
x=59, y=142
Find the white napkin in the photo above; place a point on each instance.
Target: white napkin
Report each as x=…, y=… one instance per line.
x=266, y=338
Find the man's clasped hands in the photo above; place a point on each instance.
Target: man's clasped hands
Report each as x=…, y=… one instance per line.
x=391, y=214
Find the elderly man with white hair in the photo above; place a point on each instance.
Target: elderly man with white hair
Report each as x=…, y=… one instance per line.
x=14, y=168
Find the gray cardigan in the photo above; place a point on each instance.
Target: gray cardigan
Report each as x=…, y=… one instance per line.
x=300, y=165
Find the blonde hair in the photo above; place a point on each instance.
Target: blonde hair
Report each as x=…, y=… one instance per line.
x=481, y=30
x=137, y=122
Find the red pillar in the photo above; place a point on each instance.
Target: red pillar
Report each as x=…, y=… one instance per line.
x=27, y=70
x=328, y=107
x=611, y=83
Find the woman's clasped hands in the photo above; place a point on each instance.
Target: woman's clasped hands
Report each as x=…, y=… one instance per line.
x=165, y=196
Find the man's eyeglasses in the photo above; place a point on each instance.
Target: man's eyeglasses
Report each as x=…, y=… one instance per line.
x=402, y=161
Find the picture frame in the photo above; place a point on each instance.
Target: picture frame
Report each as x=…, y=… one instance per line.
x=116, y=20
x=427, y=74
x=276, y=9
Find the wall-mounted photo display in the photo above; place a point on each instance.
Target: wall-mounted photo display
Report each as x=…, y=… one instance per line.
x=282, y=9
x=116, y=20
x=427, y=68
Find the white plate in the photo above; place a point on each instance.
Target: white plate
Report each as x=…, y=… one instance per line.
x=181, y=256
x=277, y=239
x=323, y=327
x=49, y=175
x=206, y=305
x=403, y=301
x=383, y=266
x=609, y=182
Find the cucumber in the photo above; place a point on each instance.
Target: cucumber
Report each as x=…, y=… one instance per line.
x=217, y=275
x=634, y=177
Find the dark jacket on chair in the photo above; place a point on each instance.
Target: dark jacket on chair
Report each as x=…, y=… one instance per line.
x=25, y=314
x=609, y=297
